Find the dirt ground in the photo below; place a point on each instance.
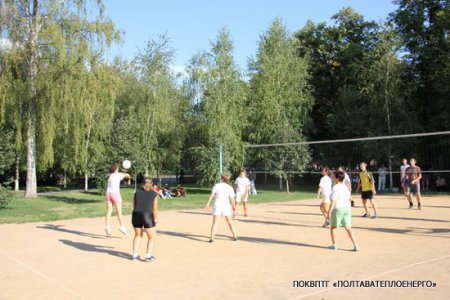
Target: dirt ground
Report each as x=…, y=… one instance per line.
x=278, y=243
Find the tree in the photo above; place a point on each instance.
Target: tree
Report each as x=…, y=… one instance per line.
x=12, y=91
x=279, y=101
x=148, y=128
x=335, y=51
x=52, y=36
x=424, y=26
x=217, y=95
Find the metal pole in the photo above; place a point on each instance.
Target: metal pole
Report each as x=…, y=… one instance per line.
x=391, y=183
x=220, y=162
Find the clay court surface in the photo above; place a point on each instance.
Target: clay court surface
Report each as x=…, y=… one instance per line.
x=279, y=243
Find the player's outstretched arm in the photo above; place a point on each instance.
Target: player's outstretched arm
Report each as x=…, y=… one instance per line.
x=211, y=196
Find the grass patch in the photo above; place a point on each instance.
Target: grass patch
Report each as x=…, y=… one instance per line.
x=72, y=205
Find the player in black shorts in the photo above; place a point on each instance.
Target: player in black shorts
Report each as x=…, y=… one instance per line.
x=145, y=218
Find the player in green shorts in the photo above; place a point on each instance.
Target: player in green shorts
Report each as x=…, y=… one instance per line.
x=341, y=214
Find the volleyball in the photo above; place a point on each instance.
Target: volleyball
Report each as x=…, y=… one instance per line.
x=126, y=164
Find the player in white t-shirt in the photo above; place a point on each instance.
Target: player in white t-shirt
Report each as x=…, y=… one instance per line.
x=242, y=188
x=113, y=198
x=324, y=189
x=347, y=182
x=340, y=210
x=223, y=195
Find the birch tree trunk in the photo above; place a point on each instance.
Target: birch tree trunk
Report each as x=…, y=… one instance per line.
x=16, y=177
x=31, y=185
x=88, y=139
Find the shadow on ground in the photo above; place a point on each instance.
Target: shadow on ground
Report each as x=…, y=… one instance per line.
x=247, y=239
x=428, y=232
x=61, y=228
x=70, y=200
x=96, y=248
x=194, y=237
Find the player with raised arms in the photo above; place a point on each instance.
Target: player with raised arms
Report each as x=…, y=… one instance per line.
x=113, y=197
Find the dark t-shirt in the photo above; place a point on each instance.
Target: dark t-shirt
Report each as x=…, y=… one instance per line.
x=413, y=173
x=144, y=200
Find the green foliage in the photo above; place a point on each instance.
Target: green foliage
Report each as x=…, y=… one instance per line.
x=424, y=28
x=338, y=53
x=101, y=178
x=5, y=196
x=279, y=101
x=217, y=117
x=348, y=78
x=148, y=128
x=7, y=153
x=62, y=40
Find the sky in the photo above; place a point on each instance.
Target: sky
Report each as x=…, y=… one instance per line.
x=193, y=24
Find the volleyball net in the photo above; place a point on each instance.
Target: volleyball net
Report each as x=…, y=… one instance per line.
x=300, y=163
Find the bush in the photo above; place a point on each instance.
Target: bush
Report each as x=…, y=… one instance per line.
x=5, y=196
x=101, y=180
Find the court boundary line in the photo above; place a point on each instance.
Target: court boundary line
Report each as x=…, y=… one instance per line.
x=377, y=275
x=42, y=275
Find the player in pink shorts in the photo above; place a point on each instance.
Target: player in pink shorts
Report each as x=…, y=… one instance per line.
x=113, y=198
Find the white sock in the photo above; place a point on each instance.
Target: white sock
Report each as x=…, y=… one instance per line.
x=135, y=254
x=149, y=255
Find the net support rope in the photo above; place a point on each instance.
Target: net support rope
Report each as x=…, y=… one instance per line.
x=386, y=137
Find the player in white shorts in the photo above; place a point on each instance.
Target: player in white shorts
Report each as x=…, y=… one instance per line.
x=324, y=189
x=223, y=195
x=242, y=188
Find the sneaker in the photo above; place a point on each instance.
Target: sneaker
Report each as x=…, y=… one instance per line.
x=150, y=258
x=333, y=247
x=107, y=231
x=235, y=239
x=324, y=224
x=419, y=207
x=375, y=216
x=410, y=205
x=366, y=216
x=356, y=248
x=353, y=203
x=135, y=257
x=123, y=229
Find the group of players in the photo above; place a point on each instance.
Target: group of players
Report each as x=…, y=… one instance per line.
x=145, y=207
x=334, y=191
x=338, y=211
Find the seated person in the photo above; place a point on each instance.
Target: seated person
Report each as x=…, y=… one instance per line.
x=180, y=191
x=167, y=191
x=440, y=183
x=158, y=191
